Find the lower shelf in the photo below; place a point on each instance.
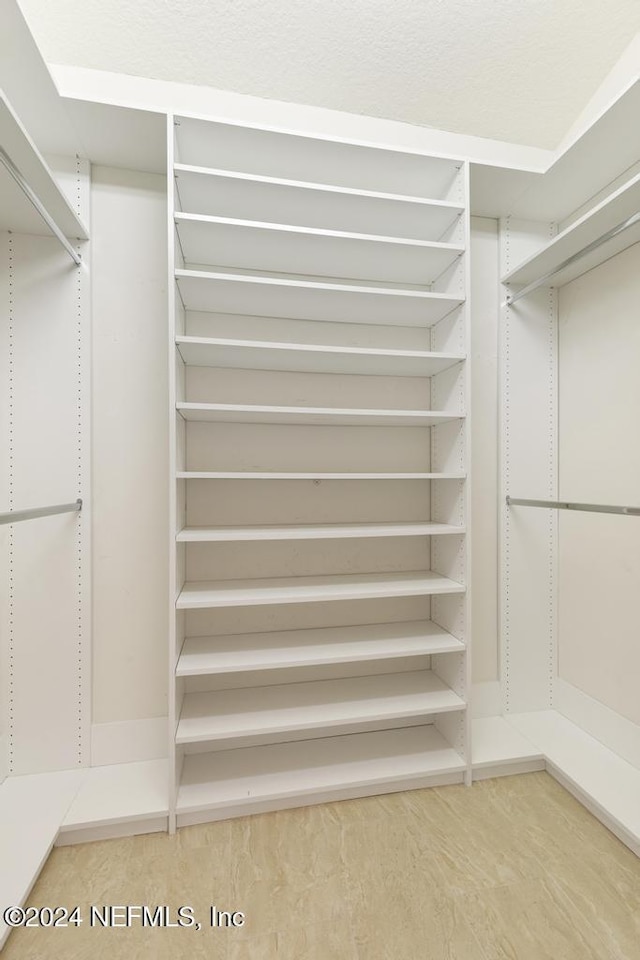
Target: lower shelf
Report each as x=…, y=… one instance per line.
x=223, y=715
x=290, y=772
x=207, y=656
x=206, y=594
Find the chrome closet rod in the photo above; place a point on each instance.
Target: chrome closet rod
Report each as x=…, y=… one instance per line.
x=542, y=281
x=15, y=516
x=565, y=505
x=11, y=168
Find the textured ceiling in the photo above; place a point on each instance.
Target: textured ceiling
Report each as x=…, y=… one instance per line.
x=517, y=70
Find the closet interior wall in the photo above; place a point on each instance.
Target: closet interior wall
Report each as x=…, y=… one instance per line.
x=569, y=397
x=45, y=610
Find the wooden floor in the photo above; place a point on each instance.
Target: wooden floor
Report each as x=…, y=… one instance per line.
x=511, y=869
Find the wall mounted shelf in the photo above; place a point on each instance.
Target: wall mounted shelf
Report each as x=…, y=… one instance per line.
x=257, y=413
x=256, y=296
x=281, y=248
x=17, y=213
x=580, y=246
x=231, y=593
x=320, y=531
x=207, y=656
x=292, y=774
x=223, y=715
x=226, y=193
x=312, y=358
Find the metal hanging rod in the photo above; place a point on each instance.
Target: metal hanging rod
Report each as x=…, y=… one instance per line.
x=15, y=516
x=11, y=168
x=564, y=505
x=543, y=281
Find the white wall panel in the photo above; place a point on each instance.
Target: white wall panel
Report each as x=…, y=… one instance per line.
x=599, y=560
x=129, y=445
x=484, y=446
x=528, y=392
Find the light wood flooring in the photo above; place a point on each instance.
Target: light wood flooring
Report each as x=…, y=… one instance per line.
x=510, y=869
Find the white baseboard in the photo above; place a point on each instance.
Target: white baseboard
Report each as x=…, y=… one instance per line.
x=616, y=732
x=128, y=741
x=486, y=699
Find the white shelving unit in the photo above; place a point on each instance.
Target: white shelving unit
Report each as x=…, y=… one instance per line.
x=320, y=324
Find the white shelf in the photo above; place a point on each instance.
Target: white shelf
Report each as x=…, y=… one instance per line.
x=608, y=785
x=313, y=705
x=281, y=248
x=605, y=216
x=118, y=794
x=317, y=531
x=327, y=416
x=310, y=770
x=205, y=656
x=262, y=296
x=316, y=159
x=364, y=586
x=17, y=214
x=225, y=193
x=311, y=358
x=31, y=811
x=272, y=475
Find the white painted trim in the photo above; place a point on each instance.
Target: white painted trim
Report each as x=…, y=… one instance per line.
x=111, y=831
x=614, y=731
x=128, y=741
x=162, y=96
x=486, y=699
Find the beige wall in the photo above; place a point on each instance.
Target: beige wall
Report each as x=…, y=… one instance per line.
x=599, y=559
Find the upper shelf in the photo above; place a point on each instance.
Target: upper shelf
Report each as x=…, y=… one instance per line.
x=551, y=260
x=310, y=416
x=17, y=213
x=312, y=358
x=280, y=248
x=321, y=160
x=225, y=193
x=259, y=296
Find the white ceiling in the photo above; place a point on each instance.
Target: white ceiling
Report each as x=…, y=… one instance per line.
x=516, y=70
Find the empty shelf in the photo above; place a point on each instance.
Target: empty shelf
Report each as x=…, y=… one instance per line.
x=281, y=248
x=360, y=763
x=225, y=193
x=316, y=531
x=307, y=358
x=273, y=475
x=327, y=416
x=203, y=656
x=235, y=146
x=313, y=705
x=605, y=216
x=363, y=586
x=251, y=295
